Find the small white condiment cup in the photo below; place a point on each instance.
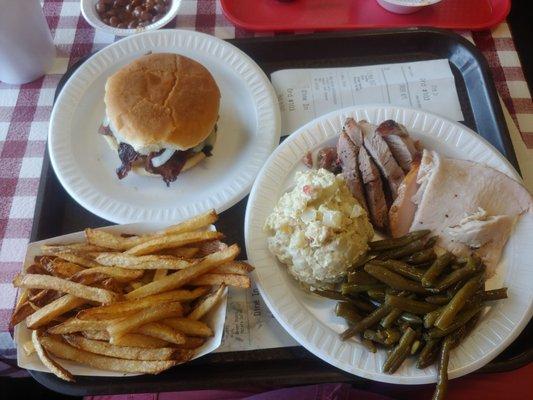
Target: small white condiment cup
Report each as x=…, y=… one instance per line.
x=88, y=10
x=405, y=6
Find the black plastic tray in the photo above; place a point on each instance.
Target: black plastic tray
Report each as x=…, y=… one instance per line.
x=56, y=213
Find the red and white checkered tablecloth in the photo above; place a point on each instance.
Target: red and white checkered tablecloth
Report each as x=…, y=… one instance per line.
x=25, y=111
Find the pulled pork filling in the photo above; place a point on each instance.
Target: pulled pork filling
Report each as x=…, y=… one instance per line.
x=169, y=170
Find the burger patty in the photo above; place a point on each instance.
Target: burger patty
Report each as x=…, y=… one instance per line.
x=169, y=171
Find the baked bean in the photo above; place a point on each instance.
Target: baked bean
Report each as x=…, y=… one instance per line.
x=131, y=13
x=100, y=7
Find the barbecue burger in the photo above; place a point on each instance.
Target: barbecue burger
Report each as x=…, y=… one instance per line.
x=161, y=114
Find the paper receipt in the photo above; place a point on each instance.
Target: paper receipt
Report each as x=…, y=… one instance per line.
x=305, y=94
x=250, y=325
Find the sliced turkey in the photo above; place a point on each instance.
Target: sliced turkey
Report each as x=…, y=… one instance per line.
x=402, y=211
x=470, y=206
x=375, y=197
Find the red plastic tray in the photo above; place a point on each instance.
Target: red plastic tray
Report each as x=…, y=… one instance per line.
x=298, y=15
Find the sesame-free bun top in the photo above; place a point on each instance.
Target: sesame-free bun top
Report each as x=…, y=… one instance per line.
x=162, y=100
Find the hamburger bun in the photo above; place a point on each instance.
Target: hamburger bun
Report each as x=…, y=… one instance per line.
x=162, y=101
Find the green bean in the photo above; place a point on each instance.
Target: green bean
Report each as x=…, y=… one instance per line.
x=400, y=352
x=458, y=275
x=361, y=304
x=458, y=301
x=369, y=344
x=411, y=319
x=376, y=294
x=361, y=278
x=388, y=244
x=442, y=380
x=431, y=317
x=407, y=250
x=352, y=288
x=366, y=322
x=401, y=268
x=415, y=347
x=330, y=294
x=439, y=299
x=348, y=312
x=389, y=336
x=459, y=321
x=369, y=334
x=409, y=305
x=493, y=295
x=393, y=279
x=361, y=260
x=438, y=266
x=428, y=354
x=422, y=256
x=391, y=318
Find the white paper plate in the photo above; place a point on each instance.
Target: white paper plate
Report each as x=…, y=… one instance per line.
x=215, y=318
x=311, y=320
x=248, y=131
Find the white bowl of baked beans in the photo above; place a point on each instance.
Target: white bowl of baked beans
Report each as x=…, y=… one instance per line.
x=127, y=17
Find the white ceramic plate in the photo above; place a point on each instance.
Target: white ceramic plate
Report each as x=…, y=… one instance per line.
x=88, y=11
x=248, y=131
x=311, y=320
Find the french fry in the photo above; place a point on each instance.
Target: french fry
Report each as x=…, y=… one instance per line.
x=43, y=297
x=189, y=327
x=111, y=311
x=192, y=343
x=146, y=315
x=53, y=310
x=143, y=262
x=240, y=281
x=159, y=331
x=235, y=267
x=129, y=353
x=174, y=240
x=71, y=248
x=207, y=304
x=22, y=298
x=138, y=340
x=96, y=335
x=52, y=365
x=136, y=285
x=62, y=269
x=213, y=246
x=184, y=276
x=107, y=240
x=66, y=351
x=77, y=259
x=181, y=252
x=24, y=311
x=198, y=222
x=73, y=325
x=33, y=281
x=120, y=274
x=159, y=273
